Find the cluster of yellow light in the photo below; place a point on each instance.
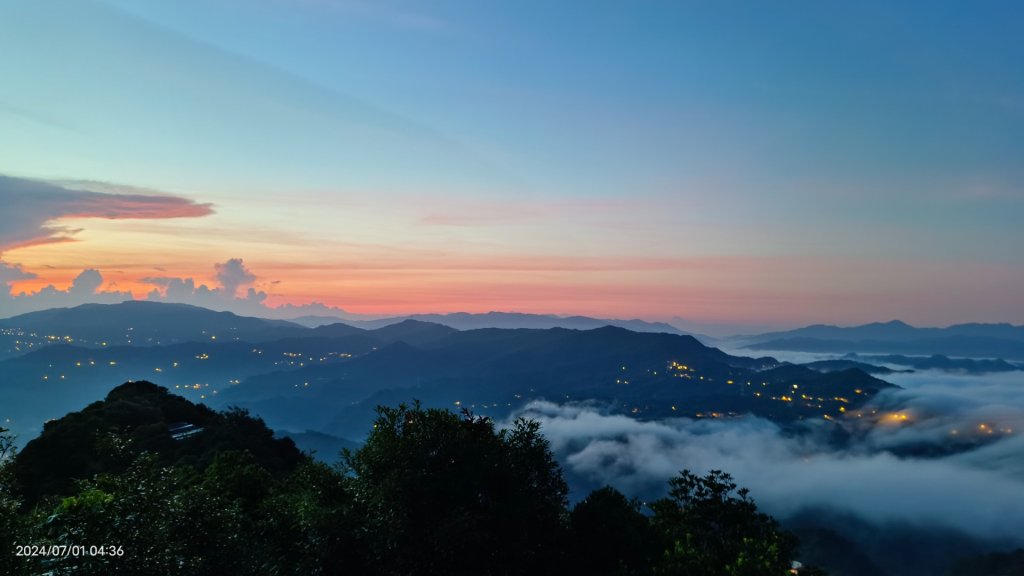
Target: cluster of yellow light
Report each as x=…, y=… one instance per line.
x=986, y=429
x=895, y=418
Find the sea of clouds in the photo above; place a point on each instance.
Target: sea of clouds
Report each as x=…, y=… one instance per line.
x=970, y=480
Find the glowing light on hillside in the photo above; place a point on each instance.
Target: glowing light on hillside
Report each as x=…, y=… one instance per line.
x=895, y=418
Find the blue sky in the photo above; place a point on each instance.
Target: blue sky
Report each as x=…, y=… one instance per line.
x=804, y=161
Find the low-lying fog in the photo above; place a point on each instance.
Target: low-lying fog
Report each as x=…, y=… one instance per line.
x=944, y=451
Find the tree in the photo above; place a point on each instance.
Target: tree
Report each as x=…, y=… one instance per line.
x=160, y=520
x=713, y=529
x=448, y=494
x=107, y=436
x=238, y=475
x=611, y=536
x=6, y=445
x=12, y=524
x=310, y=526
x=993, y=564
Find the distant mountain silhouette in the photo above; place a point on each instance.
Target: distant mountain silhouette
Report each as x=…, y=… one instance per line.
x=316, y=321
x=513, y=320
x=970, y=340
x=57, y=378
x=893, y=331
x=143, y=323
x=491, y=371
x=415, y=332
x=330, y=378
x=323, y=447
x=938, y=362
x=846, y=364
x=336, y=330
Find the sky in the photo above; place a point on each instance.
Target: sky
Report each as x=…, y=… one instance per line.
x=714, y=162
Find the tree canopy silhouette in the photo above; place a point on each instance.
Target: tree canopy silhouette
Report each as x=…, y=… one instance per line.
x=712, y=529
x=430, y=492
x=448, y=494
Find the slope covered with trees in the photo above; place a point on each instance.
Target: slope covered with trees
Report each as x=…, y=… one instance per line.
x=110, y=490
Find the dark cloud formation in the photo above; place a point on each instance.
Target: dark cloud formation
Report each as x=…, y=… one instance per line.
x=230, y=276
x=227, y=294
x=13, y=272
x=32, y=209
x=85, y=288
x=233, y=275
x=911, y=472
x=232, y=289
x=86, y=284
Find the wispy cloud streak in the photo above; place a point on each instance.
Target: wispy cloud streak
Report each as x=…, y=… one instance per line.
x=33, y=209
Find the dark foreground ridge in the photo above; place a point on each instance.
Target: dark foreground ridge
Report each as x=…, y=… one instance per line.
x=153, y=484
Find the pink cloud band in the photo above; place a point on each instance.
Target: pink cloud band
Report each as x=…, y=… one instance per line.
x=31, y=208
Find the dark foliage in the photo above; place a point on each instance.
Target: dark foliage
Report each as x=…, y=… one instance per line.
x=447, y=494
x=135, y=418
x=713, y=528
x=610, y=536
x=166, y=521
x=998, y=564
x=431, y=492
x=13, y=526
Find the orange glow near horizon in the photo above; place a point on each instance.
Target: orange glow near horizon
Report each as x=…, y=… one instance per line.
x=431, y=269
x=703, y=289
